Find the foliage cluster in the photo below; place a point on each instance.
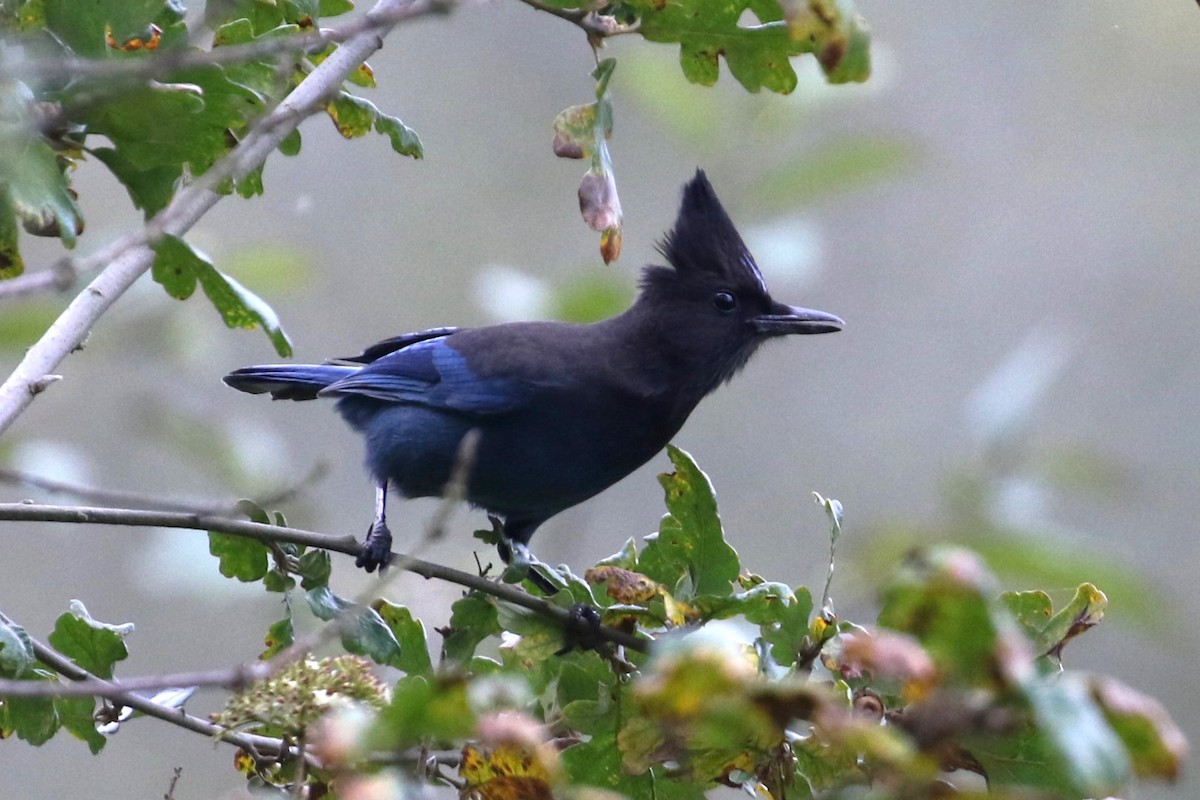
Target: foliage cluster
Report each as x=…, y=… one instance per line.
x=747, y=684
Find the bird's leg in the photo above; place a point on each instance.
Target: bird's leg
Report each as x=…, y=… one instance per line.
x=376, y=549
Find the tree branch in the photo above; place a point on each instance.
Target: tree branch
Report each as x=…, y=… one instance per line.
x=64, y=666
x=117, y=497
x=598, y=27
x=162, y=63
x=29, y=512
x=132, y=255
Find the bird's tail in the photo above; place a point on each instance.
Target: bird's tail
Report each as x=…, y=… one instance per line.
x=288, y=381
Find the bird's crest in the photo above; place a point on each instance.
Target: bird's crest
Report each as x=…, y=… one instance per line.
x=704, y=241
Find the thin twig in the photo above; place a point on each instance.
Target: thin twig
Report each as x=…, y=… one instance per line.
x=28, y=512
x=598, y=27
x=69, y=669
x=164, y=62
x=170, y=795
x=233, y=679
x=118, y=497
x=125, y=261
x=456, y=488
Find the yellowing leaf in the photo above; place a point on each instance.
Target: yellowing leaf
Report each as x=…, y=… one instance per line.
x=505, y=772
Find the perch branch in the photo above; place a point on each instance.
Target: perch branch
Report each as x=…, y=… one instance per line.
x=28, y=512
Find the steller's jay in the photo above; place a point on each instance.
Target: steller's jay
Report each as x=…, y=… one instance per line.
x=563, y=411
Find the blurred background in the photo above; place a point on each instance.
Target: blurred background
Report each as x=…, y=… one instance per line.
x=1005, y=215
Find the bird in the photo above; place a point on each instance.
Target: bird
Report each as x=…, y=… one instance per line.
x=560, y=411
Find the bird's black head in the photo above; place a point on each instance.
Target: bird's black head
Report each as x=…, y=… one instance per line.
x=712, y=302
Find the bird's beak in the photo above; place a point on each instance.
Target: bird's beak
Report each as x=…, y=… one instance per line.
x=784, y=319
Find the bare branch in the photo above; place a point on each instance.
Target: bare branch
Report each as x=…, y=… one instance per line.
x=117, y=497
x=233, y=679
x=28, y=512
x=126, y=260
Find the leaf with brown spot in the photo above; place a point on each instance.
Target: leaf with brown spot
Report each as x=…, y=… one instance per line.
x=623, y=585
x=504, y=772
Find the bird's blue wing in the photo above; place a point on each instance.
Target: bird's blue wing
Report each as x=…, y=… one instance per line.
x=381, y=349
x=429, y=371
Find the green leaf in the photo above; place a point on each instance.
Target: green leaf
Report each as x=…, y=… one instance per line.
x=174, y=267
x=355, y=117
x=240, y=557
x=37, y=188
x=1154, y=742
x=1068, y=750
x=26, y=15
x=472, y=619
x=1096, y=760
x=598, y=763
x=690, y=541
x=404, y=139
x=11, y=262
x=93, y=645
x=149, y=189
x=541, y=637
x=363, y=631
x=290, y=145
x=758, y=55
x=943, y=597
x=159, y=129
x=263, y=16
x=1032, y=610
x=237, y=31
x=410, y=633
x=781, y=614
x=352, y=116
x=179, y=268
x=424, y=711
x=332, y=8
x=16, y=651
x=315, y=569
x=77, y=716
x=33, y=719
x=1084, y=611
x=280, y=636
x=603, y=74
x=276, y=580
x=83, y=26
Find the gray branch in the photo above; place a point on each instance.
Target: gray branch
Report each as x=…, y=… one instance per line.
x=28, y=512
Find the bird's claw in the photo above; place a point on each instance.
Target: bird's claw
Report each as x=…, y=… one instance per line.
x=376, y=550
x=582, y=629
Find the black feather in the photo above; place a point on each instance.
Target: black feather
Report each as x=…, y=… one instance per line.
x=704, y=241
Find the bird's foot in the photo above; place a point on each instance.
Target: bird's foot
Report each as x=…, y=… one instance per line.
x=582, y=629
x=520, y=564
x=376, y=550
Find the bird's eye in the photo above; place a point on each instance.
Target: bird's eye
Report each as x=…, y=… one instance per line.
x=724, y=302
